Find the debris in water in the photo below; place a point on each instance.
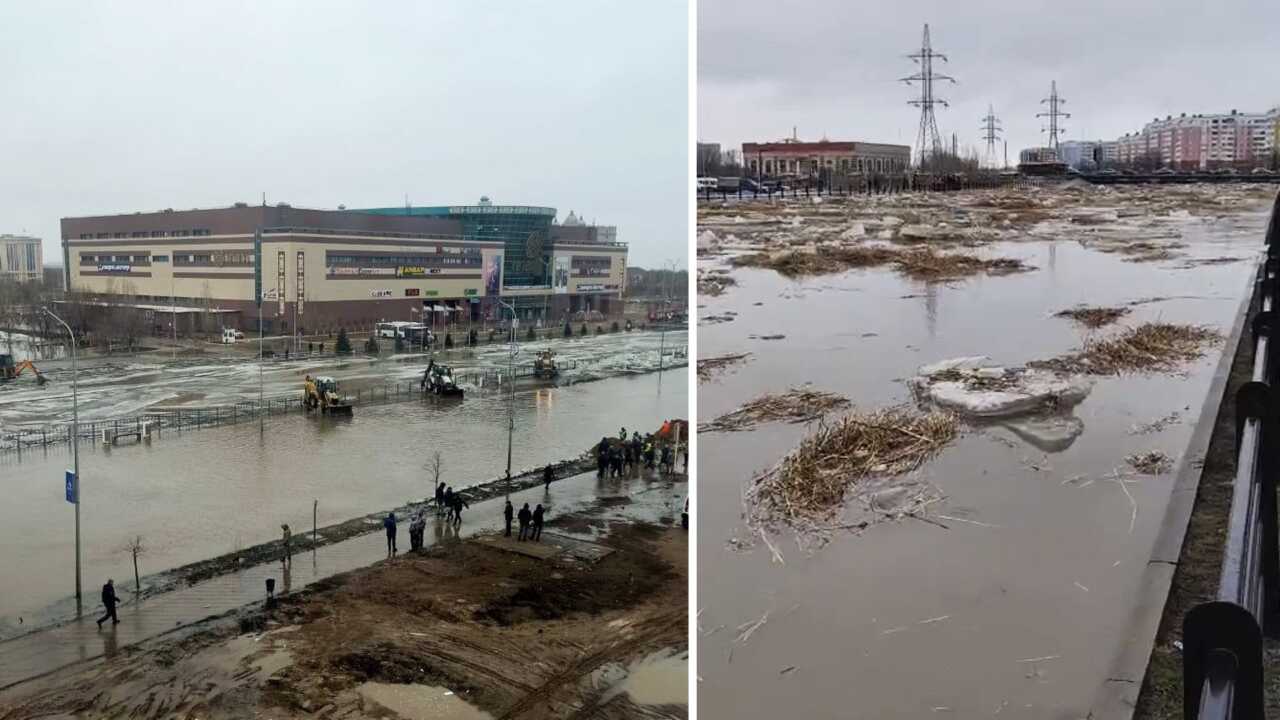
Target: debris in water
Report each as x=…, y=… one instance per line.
x=787, y=669
x=1150, y=347
x=797, y=405
x=708, y=367
x=810, y=482
x=923, y=263
x=1094, y=317
x=714, y=283
x=1150, y=463
x=1198, y=262
x=1155, y=425
x=778, y=336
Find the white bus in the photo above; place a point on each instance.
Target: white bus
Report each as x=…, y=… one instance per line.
x=395, y=329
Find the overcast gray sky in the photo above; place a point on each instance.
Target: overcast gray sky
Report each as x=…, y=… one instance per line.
x=831, y=67
x=114, y=107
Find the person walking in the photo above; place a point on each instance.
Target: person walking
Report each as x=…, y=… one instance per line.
x=458, y=503
x=390, y=525
x=537, y=523
x=440, y=499
x=109, y=601
x=524, y=517
x=448, y=503
x=548, y=475
x=507, y=513
x=288, y=543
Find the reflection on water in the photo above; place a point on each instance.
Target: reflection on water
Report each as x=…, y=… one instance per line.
x=198, y=495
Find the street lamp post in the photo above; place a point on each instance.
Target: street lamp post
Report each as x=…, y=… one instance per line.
x=75, y=446
x=511, y=399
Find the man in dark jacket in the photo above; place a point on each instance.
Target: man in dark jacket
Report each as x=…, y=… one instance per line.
x=390, y=524
x=507, y=514
x=537, y=523
x=458, y=503
x=440, y=499
x=524, y=517
x=109, y=601
x=548, y=475
x=448, y=503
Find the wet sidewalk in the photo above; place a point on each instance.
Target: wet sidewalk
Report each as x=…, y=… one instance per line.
x=43, y=652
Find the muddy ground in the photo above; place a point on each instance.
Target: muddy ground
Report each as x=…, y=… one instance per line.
x=463, y=630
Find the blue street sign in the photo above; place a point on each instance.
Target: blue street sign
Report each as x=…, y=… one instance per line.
x=71, y=487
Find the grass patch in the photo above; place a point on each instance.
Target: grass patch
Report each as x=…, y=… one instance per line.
x=822, y=262
x=1152, y=462
x=710, y=367
x=811, y=481
x=793, y=406
x=714, y=284
x=917, y=263
x=1094, y=317
x=1150, y=347
x=928, y=264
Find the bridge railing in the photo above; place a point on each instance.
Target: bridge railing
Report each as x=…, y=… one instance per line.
x=1223, y=638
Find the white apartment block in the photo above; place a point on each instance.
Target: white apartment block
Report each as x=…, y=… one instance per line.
x=21, y=258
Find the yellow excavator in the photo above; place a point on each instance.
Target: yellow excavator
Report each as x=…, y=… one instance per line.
x=321, y=393
x=10, y=370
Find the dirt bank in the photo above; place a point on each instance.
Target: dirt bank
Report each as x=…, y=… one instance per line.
x=462, y=628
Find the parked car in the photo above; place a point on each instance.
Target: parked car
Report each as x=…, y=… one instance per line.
x=705, y=183
x=1261, y=171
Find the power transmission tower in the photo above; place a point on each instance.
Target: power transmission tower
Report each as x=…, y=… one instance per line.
x=928, y=143
x=991, y=132
x=1055, y=112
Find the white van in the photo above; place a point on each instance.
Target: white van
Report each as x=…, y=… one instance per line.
x=231, y=335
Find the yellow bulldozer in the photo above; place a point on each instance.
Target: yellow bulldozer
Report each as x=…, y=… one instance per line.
x=9, y=370
x=321, y=393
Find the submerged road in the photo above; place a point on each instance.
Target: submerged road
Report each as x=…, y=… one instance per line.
x=649, y=498
x=200, y=495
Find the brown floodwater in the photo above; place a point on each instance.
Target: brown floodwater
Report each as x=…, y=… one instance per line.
x=1016, y=606
x=200, y=494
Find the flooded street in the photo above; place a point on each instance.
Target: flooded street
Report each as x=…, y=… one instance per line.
x=112, y=387
x=230, y=487
x=1010, y=595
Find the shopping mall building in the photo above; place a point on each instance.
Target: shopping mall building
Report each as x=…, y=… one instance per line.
x=319, y=270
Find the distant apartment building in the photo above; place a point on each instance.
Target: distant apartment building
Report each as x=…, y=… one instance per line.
x=792, y=157
x=21, y=258
x=1202, y=142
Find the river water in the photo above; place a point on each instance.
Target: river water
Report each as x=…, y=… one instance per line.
x=1016, y=607
x=199, y=494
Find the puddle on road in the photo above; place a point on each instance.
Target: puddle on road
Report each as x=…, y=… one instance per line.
x=661, y=678
x=421, y=702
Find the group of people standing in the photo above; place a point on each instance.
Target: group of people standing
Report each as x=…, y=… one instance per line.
x=623, y=455
x=530, y=521
x=450, y=504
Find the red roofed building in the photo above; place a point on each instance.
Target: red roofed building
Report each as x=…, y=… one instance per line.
x=804, y=159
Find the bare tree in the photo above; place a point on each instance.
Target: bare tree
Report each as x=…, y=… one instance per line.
x=435, y=467
x=136, y=546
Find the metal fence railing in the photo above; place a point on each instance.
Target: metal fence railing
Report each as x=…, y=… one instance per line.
x=1223, y=638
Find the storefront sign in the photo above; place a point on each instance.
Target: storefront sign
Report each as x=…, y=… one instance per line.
x=589, y=288
x=362, y=271
x=471, y=291
x=411, y=271
x=411, y=292
x=431, y=293
x=302, y=279
x=380, y=293
x=114, y=268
